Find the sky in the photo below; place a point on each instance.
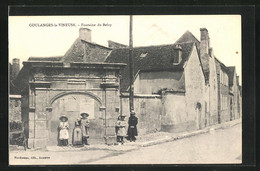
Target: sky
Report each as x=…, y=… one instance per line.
x=27, y=37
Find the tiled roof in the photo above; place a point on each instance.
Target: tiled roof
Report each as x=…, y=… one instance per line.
x=115, y=45
x=154, y=58
x=205, y=65
x=93, y=52
x=231, y=75
x=188, y=37
x=221, y=64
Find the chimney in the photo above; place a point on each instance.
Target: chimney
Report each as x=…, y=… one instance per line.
x=85, y=34
x=204, y=41
x=15, y=67
x=177, y=59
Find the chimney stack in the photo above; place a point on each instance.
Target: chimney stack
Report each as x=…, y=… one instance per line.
x=15, y=67
x=178, y=58
x=85, y=34
x=204, y=41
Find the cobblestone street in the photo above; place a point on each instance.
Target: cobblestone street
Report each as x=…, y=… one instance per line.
x=216, y=146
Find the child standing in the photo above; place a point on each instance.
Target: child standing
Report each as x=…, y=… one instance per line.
x=64, y=130
x=121, y=129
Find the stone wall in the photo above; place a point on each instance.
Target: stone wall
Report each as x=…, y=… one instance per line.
x=175, y=117
x=152, y=82
x=195, y=95
x=15, y=108
x=148, y=109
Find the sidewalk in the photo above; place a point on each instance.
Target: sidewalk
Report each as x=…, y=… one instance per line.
x=181, y=135
x=144, y=141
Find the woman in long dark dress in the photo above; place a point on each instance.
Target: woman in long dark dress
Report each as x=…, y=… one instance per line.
x=132, y=129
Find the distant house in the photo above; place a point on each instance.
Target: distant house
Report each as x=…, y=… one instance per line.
x=234, y=93
x=224, y=113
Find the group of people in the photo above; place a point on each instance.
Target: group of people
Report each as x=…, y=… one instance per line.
x=80, y=133
x=121, y=128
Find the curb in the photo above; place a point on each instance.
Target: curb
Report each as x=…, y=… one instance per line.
x=108, y=148
x=189, y=134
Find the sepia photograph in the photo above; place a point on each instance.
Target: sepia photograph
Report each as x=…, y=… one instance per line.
x=125, y=89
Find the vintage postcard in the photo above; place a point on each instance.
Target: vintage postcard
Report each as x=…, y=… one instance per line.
x=154, y=89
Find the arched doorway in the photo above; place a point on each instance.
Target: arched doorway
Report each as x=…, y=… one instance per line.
x=71, y=105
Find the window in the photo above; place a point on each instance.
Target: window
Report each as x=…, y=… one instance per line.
x=176, y=60
x=143, y=55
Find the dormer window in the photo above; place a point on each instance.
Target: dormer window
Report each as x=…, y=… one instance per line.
x=177, y=58
x=143, y=55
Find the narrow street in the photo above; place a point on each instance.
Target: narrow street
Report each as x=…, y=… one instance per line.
x=219, y=146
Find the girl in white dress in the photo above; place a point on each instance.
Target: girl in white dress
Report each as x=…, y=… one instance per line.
x=64, y=130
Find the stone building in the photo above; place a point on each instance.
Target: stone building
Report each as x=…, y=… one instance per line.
x=172, y=77
x=77, y=82
x=224, y=114
x=178, y=87
x=209, y=67
x=166, y=73
x=234, y=94
x=221, y=88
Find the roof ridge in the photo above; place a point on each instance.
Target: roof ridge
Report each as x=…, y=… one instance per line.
x=46, y=56
x=162, y=45
x=93, y=43
x=187, y=32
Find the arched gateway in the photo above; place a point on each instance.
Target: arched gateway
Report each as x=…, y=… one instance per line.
x=71, y=104
x=51, y=89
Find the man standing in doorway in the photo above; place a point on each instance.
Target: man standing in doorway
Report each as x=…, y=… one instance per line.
x=132, y=129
